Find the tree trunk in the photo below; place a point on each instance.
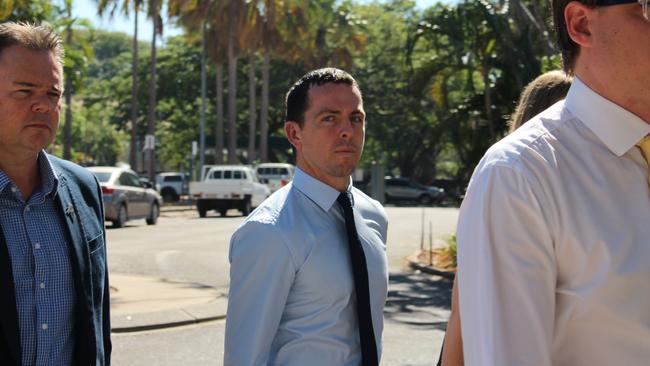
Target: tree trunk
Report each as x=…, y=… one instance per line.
x=232, y=102
x=264, y=112
x=67, y=128
x=252, y=107
x=151, y=116
x=218, y=130
x=203, y=98
x=133, y=153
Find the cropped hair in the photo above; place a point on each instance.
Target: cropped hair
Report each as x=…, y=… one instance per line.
x=31, y=36
x=297, y=100
x=569, y=49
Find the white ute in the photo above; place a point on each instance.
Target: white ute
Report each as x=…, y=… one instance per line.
x=228, y=186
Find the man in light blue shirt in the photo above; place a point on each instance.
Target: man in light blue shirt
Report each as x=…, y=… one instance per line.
x=303, y=289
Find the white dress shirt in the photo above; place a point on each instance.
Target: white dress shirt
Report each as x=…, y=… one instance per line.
x=291, y=299
x=554, y=241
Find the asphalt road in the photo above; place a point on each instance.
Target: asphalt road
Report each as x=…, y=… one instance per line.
x=184, y=248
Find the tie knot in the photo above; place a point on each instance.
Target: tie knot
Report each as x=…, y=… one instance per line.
x=344, y=200
x=644, y=145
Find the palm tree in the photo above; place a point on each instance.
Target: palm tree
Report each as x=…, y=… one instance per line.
x=103, y=4
x=199, y=15
x=78, y=52
x=154, y=14
x=270, y=38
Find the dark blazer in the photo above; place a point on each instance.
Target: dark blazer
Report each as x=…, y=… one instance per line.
x=79, y=198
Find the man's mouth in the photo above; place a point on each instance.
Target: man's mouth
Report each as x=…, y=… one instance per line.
x=43, y=126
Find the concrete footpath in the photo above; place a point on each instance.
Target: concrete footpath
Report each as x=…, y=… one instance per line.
x=146, y=303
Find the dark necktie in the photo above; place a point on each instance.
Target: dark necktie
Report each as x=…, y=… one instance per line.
x=360, y=271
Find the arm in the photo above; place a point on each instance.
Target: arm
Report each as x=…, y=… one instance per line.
x=452, y=354
x=507, y=271
x=262, y=272
x=106, y=303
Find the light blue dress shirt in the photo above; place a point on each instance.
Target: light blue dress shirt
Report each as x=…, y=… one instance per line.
x=41, y=268
x=292, y=299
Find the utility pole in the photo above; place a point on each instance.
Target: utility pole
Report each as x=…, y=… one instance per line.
x=203, y=97
x=150, y=138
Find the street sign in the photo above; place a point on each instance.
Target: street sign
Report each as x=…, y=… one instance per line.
x=149, y=142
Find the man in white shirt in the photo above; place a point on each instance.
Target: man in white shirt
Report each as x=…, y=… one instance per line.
x=554, y=232
x=308, y=275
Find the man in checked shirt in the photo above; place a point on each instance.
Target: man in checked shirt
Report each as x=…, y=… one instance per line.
x=54, y=306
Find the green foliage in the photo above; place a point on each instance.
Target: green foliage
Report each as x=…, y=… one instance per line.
x=34, y=11
x=452, y=250
x=95, y=140
x=439, y=84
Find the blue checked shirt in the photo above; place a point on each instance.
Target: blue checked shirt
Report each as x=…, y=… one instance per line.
x=40, y=263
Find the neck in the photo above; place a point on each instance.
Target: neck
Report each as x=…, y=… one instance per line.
x=621, y=92
x=338, y=183
x=22, y=170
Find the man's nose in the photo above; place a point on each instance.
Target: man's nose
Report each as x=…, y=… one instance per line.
x=42, y=104
x=346, y=130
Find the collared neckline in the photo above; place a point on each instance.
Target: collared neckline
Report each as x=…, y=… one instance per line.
x=49, y=176
x=615, y=126
x=322, y=194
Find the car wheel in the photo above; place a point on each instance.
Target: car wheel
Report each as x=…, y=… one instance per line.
x=122, y=217
x=223, y=212
x=169, y=195
x=153, y=214
x=425, y=200
x=201, y=209
x=246, y=207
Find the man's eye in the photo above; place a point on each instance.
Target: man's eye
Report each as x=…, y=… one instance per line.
x=357, y=119
x=328, y=119
x=22, y=92
x=54, y=95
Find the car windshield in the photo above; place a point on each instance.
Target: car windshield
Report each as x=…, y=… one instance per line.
x=102, y=177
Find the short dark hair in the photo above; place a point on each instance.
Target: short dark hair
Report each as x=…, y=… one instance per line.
x=31, y=36
x=569, y=49
x=297, y=100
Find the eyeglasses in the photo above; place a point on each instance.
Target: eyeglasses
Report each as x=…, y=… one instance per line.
x=644, y=5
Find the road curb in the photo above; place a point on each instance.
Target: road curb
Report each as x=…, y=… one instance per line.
x=414, y=264
x=141, y=328
x=128, y=322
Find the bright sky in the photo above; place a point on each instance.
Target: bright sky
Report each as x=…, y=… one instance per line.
x=88, y=9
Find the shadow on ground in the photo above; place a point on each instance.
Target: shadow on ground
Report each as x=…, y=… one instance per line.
x=419, y=300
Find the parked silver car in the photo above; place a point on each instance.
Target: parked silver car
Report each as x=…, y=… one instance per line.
x=126, y=197
x=405, y=190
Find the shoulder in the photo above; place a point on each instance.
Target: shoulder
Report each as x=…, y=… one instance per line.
x=72, y=172
x=534, y=146
x=262, y=230
x=369, y=207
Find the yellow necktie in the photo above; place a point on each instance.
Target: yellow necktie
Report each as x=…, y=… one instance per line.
x=644, y=145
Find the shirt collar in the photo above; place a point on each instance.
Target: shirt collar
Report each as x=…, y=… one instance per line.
x=615, y=126
x=322, y=194
x=49, y=176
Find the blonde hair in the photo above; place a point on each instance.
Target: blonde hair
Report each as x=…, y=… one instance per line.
x=539, y=94
x=31, y=36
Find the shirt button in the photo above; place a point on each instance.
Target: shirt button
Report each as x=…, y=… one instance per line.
x=42, y=284
x=44, y=326
x=26, y=208
x=37, y=246
x=14, y=189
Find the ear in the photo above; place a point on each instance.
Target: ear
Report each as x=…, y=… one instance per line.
x=579, y=21
x=294, y=134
